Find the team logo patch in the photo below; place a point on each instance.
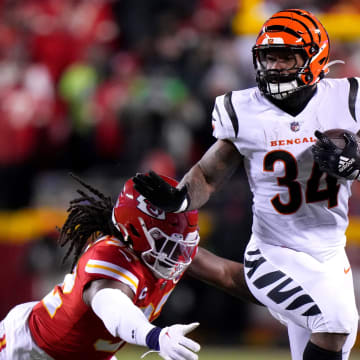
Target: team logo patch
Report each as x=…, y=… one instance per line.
x=344, y=163
x=295, y=126
x=146, y=207
x=143, y=293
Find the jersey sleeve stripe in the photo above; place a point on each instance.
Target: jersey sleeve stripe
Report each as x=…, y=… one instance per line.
x=114, y=271
x=218, y=113
x=229, y=107
x=354, y=87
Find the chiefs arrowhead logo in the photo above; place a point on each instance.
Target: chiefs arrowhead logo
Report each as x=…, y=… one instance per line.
x=149, y=209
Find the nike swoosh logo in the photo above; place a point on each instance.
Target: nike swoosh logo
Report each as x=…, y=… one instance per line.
x=347, y=270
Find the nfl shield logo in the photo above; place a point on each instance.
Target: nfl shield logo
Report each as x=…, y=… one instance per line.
x=295, y=126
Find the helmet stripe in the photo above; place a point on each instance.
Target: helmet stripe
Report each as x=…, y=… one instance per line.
x=300, y=22
x=284, y=29
x=301, y=13
x=316, y=25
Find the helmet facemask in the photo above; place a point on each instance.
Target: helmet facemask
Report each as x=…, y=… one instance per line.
x=297, y=32
x=280, y=83
x=169, y=256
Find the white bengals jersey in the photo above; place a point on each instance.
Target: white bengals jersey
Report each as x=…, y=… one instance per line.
x=295, y=205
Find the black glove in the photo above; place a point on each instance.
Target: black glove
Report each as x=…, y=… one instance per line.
x=343, y=163
x=160, y=193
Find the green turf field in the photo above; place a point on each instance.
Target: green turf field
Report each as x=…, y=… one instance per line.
x=209, y=353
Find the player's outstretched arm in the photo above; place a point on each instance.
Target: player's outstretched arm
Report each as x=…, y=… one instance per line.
x=222, y=273
x=111, y=302
x=214, y=168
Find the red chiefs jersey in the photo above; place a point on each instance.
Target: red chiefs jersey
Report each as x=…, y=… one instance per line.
x=65, y=327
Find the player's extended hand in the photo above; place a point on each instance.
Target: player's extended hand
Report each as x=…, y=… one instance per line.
x=175, y=346
x=337, y=162
x=160, y=193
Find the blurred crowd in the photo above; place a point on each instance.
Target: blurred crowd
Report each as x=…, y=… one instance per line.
x=113, y=87
x=109, y=84
x=117, y=86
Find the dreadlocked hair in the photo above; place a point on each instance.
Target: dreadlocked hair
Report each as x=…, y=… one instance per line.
x=89, y=217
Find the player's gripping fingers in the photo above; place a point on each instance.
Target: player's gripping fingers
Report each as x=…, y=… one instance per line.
x=320, y=156
x=151, y=185
x=144, y=191
x=151, y=181
x=186, y=346
x=157, y=180
x=315, y=150
x=142, y=181
x=190, y=344
x=180, y=353
x=145, y=186
x=350, y=138
x=176, y=346
x=350, y=144
x=326, y=143
x=183, y=353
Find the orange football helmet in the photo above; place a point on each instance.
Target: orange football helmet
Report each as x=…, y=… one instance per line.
x=292, y=30
x=166, y=242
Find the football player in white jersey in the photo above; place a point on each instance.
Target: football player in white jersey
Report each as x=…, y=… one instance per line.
x=128, y=259
x=295, y=263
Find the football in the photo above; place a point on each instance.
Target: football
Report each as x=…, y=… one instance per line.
x=336, y=136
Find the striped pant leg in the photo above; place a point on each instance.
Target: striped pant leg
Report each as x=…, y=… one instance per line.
x=298, y=289
x=317, y=295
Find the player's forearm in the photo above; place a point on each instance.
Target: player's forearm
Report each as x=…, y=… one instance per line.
x=215, y=271
x=120, y=316
x=124, y=319
x=210, y=173
x=199, y=190
x=224, y=274
x=240, y=289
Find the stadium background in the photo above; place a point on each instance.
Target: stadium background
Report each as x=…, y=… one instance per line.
x=107, y=88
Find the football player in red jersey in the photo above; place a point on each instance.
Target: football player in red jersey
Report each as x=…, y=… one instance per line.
x=128, y=259
x=295, y=262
